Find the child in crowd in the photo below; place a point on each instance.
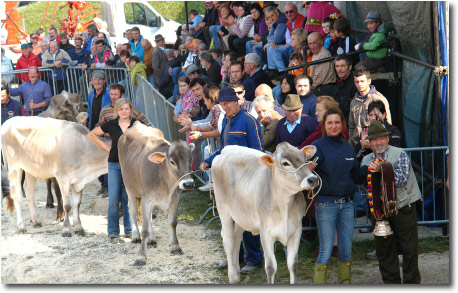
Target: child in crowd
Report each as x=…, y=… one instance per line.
x=374, y=43
x=326, y=25
x=136, y=66
x=334, y=43
x=346, y=43
x=296, y=59
x=187, y=99
x=194, y=19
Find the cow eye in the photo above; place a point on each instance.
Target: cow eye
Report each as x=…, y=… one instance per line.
x=172, y=162
x=286, y=164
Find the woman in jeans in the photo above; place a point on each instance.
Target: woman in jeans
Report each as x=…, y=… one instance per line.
x=334, y=208
x=116, y=127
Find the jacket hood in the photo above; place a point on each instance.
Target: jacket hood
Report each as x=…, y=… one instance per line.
x=140, y=66
x=381, y=28
x=281, y=19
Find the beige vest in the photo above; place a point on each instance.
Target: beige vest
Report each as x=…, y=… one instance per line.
x=408, y=193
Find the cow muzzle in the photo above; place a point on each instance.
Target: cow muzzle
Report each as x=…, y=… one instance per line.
x=309, y=182
x=186, y=184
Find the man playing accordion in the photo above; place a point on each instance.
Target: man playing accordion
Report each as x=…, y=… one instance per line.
x=403, y=220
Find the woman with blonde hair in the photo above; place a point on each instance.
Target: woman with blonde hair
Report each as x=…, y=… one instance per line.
x=116, y=190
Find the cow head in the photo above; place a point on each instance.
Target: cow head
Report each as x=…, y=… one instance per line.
x=178, y=161
x=292, y=165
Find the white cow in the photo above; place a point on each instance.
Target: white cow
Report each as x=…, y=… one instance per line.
x=46, y=148
x=261, y=193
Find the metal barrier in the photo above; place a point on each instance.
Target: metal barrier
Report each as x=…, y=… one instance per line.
x=15, y=77
x=79, y=80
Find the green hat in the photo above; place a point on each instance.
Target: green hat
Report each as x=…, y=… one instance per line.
x=23, y=46
x=376, y=129
x=292, y=103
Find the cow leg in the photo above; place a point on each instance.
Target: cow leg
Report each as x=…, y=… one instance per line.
x=49, y=197
x=29, y=188
x=146, y=232
x=65, y=189
x=60, y=209
x=227, y=233
x=269, y=255
x=133, y=216
x=15, y=177
x=238, y=236
x=77, y=227
x=292, y=250
x=172, y=219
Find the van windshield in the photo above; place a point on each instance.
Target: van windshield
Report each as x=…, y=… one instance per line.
x=139, y=14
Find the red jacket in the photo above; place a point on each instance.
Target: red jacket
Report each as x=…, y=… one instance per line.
x=299, y=22
x=24, y=63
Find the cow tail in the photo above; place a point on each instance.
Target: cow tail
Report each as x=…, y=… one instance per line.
x=10, y=204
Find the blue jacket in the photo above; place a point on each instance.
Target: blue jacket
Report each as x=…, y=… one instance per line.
x=11, y=109
x=337, y=167
x=245, y=131
x=309, y=102
x=277, y=33
x=137, y=50
x=80, y=57
x=105, y=101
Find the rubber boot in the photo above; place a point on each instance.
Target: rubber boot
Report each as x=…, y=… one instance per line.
x=320, y=274
x=344, y=272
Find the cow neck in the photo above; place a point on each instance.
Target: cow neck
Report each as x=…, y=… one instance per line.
x=278, y=186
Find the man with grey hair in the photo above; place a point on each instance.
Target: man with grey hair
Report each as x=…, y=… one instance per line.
x=44, y=47
x=276, y=41
x=213, y=68
x=202, y=47
x=56, y=59
x=253, y=69
x=323, y=75
x=268, y=118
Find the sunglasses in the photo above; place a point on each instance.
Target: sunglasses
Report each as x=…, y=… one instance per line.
x=289, y=12
x=306, y=4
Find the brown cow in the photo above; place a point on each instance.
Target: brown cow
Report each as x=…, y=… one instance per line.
x=152, y=169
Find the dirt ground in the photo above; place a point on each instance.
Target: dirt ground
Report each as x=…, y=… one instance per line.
x=43, y=256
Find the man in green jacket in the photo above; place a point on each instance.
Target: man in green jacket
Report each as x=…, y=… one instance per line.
x=373, y=42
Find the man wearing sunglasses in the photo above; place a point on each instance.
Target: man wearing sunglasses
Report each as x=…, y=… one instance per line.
x=295, y=21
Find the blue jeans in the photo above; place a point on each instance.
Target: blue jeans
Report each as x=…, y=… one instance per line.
x=274, y=58
x=115, y=189
x=276, y=92
x=286, y=53
x=151, y=81
x=360, y=203
x=253, y=249
x=254, y=48
x=330, y=216
x=214, y=29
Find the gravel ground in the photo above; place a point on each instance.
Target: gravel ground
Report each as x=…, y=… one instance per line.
x=43, y=256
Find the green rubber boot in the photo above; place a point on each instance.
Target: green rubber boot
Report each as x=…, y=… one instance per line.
x=320, y=274
x=344, y=272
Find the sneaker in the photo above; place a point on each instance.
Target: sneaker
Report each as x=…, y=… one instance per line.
x=116, y=240
x=371, y=255
x=365, y=230
x=206, y=187
x=222, y=266
x=104, y=193
x=249, y=268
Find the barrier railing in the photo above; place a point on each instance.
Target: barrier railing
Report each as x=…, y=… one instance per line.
x=15, y=77
x=428, y=163
x=79, y=80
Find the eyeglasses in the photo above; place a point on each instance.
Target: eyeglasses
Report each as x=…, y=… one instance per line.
x=289, y=12
x=306, y=4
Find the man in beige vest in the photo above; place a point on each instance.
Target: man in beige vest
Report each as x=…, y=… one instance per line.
x=404, y=223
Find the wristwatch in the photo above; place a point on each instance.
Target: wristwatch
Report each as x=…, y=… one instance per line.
x=200, y=134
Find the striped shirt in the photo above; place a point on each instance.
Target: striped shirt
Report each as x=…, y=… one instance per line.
x=401, y=168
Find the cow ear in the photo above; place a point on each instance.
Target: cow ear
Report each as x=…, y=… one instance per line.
x=192, y=146
x=157, y=157
x=267, y=160
x=309, y=151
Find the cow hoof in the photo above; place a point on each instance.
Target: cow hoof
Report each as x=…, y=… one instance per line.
x=66, y=234
x=80, y=233
x=136, y=240
x=21, y=231
x=50, y=206
x=37, y=225
x=139, y=263
x=177, y=251
x=152, y=243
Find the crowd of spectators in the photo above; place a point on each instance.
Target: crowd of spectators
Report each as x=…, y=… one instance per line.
x=238, y=53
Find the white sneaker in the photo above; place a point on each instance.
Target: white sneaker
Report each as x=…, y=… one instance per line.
x=371, y=255
x=206, y=187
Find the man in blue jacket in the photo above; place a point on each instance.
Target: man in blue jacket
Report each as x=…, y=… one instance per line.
x=239, y=128
x=98, y=98
x=276, y=39
x=135, y=43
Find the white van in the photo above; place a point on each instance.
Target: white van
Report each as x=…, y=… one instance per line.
x=124, y=15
